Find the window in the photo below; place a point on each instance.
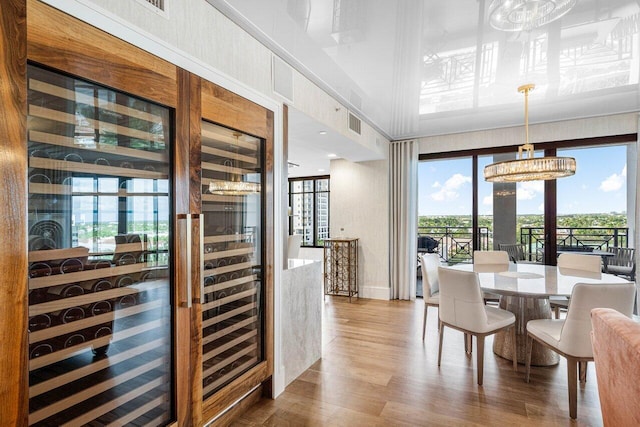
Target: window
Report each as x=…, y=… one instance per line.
x=591, y=210
x=309, y=209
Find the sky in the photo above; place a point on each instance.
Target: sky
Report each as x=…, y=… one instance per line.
x=599, y=185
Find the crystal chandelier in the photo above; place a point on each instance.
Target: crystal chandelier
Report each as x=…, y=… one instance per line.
x=529, y=168
x=526, y=15
x=235, y=187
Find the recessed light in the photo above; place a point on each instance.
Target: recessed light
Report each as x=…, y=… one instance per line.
x=332, y=155
x=320, y=170
x=323, y=132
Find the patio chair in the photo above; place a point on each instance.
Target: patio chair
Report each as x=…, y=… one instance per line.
x=516, y=251
x=622, y=263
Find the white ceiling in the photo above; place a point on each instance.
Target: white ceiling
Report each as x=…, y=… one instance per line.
x=414, y=68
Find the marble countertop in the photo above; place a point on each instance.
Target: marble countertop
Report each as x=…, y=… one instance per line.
x=298, y=262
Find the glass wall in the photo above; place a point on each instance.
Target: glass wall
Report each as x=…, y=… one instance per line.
x=592, y=204
x=589, y=208
x=445, y=209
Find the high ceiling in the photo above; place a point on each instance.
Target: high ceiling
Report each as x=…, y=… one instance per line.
x=416, y=68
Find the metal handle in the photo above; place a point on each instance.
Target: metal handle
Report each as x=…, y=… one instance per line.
x=186, y=232
x=201, y=226
x=189, y=261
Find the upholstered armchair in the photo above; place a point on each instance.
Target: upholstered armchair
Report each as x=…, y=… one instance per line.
x=616, y=352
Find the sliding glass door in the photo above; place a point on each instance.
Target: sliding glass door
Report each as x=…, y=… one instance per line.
x=592, y=210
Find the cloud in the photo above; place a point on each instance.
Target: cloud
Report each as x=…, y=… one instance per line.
x=614, y=182
x=436, y=184
x=448, y=191
x=541, y=207
x=487, y=200
x=529, y=189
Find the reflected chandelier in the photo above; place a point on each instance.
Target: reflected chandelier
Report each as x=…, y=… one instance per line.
x=526, y=15
x=234, y=187
x=529, y=168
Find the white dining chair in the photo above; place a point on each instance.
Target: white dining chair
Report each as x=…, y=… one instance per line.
x=571, y=337
x=430, y=284
x=462, y=308
x=491, y=261
x=581, y=262
x=498, y=259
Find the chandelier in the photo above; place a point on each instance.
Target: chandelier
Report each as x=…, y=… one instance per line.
x=234, y=187
x=526, y=15
x=529, y=168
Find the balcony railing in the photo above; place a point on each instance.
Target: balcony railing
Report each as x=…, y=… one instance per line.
x=574, y=239
x=455, y=244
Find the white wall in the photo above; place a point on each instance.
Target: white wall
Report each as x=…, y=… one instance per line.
x=200, y=32
x=359, y=207
x=543, y=132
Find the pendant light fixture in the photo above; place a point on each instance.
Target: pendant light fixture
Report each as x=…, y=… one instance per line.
x=526, y=15
x=235, y=186
x=527, y=167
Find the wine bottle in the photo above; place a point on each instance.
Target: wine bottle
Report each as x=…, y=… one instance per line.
x=39, y=322
x=98, y=308
x=126, y=301
x=71, y=265
x=66, y=341
x=66, y=291
x=39, y=269
x=39, y=350
x=69, y=315
x=100, y=285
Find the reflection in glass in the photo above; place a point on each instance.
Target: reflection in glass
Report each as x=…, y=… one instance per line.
x=100, y=333
x=232, y=258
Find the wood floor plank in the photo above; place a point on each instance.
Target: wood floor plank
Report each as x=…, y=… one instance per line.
x=376, y=371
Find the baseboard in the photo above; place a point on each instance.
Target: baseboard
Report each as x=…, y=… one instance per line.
x=383, y=293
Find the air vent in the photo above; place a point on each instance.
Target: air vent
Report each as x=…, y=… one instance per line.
x=282, y=76
x=355, y=123
x=158, y=6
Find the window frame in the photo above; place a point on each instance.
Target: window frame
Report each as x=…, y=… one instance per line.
x=315, y=193
x=550, y=190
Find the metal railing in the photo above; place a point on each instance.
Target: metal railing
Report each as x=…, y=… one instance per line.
x=574, y=239
x=455, y=244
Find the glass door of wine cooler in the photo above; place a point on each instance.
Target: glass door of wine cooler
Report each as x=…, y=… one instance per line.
x=231, y=254
x=100, y=315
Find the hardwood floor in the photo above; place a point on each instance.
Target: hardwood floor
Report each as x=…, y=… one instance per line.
x=377, y=371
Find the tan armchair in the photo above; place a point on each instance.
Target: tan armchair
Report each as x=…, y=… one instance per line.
x=616, y=351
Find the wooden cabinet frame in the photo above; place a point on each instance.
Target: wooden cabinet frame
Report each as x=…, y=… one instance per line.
x=33, y=31
x=227, y=109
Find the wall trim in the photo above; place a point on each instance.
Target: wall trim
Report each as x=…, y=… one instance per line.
x=375, y=292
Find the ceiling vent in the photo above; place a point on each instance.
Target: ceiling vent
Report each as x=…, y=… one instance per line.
x=158, y=6
x=355, y=124
x=282, y=78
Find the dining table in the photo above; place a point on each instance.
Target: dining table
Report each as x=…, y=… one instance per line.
x=524, y=290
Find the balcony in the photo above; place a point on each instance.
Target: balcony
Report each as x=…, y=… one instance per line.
x=455, y=244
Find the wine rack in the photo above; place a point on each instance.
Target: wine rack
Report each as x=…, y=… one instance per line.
x=341, y=267
x=100, y=343
x=231, y=256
